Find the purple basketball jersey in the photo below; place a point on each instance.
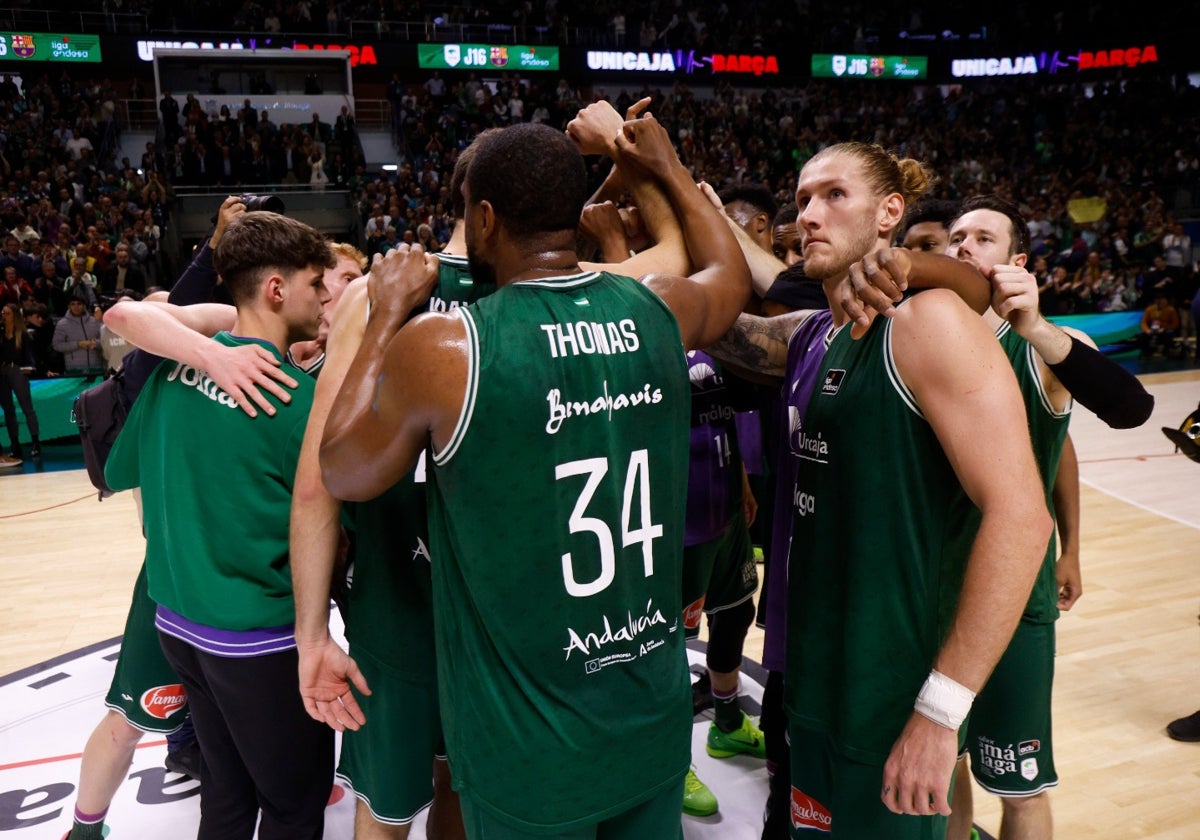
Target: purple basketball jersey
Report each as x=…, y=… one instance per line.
x=715, y=461
x=806, y=350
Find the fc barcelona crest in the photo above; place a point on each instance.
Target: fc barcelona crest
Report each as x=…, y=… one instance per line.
x=23, y=46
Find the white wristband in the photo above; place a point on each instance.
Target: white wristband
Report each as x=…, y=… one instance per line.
x=944, y=701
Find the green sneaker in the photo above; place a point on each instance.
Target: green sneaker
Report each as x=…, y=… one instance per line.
x=698, y=800
x=974, y=834
x=746, y=739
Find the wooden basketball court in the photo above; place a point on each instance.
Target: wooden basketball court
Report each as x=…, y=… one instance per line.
x=1128, y=654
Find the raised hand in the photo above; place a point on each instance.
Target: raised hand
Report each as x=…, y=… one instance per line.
x=402, y=280
x=231, y=208
x=645, y=144
x=602, y=223
x=595, y=129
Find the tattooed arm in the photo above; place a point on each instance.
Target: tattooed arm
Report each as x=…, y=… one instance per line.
x=756, y=348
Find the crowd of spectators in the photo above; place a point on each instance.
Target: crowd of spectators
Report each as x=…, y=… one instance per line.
x=232, y=149
x=1121, y=149
x=1047, y=148
x=77, y=224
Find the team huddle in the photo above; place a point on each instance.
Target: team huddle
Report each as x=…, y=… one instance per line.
x=519, y=477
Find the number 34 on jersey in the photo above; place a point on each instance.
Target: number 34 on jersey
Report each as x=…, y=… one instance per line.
x=635, y=502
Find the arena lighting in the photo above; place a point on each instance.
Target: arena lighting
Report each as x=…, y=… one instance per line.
x=390, y=167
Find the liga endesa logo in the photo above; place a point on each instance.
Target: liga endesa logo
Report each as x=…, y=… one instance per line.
x=809, y=813
x=692, y=613
x=164, y=701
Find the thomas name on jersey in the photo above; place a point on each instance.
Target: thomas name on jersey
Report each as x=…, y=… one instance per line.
x=587, y=338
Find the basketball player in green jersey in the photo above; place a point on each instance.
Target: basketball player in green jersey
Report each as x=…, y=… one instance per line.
x=388, y=617
x=556, y=414
x=901, y=589
x=926, y=227
x=396, y=764
x=1009, y=735
x=948, y=597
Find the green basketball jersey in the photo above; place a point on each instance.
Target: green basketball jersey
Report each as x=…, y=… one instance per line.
x=1048, y=430
x=556, y=518
x=880, y=541
x=216, y=493
x=389, y=608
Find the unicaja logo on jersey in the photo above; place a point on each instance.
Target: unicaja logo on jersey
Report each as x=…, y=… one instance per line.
x=698, y=372
x=803, y=445
x=809, y=813
x=164, y=701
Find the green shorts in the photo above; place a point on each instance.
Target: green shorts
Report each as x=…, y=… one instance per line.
x=658, y=817
x=1008, y=732
x=389, y=761
x=836, y=796
x=718, y=574
x=145, y=690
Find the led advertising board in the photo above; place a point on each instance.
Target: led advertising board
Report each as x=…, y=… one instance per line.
x=486, y=57
x=837, y=66
x=1052, y=62
x=360, y=54
x=42, y=46
x=683, y=61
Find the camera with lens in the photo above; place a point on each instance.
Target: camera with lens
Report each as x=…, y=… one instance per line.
x=269, y=203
